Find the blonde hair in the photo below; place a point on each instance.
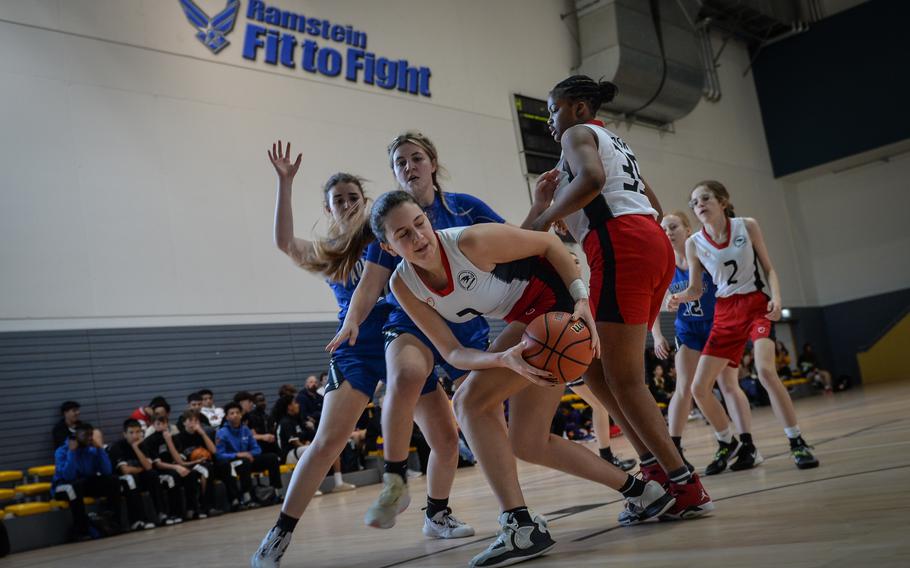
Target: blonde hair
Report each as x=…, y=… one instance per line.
x=683, y=218
x=336, y=255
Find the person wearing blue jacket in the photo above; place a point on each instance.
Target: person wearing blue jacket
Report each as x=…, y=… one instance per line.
x=83, y=469
x=235, y=443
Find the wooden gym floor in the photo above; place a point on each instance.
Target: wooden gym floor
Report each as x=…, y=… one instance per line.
x=852, y=511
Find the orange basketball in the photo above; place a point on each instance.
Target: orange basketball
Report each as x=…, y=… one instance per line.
x=559, y=345
x=201, y=454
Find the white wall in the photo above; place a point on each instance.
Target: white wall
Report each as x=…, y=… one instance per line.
x=853, y=230
x=134, y=185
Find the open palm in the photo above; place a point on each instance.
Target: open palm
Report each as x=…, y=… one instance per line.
x=282, y=161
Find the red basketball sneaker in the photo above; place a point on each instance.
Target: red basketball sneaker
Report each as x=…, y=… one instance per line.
x=691, y=500
x=654, y=472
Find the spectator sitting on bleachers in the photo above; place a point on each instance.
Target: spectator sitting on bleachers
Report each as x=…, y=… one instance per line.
x=160, y=448
x=66, y=427
x=257, y=420
x=660, y=388
x=235, y=442
x=323, y=381
x=82, y=469
x=214, y=414
x=292, y=437
x=129, y=460
x=197, y=450
x=194, y=402
x=808, y=365
x=782, y=360
x=160, y=408
x=145, y=414
x=310, y=401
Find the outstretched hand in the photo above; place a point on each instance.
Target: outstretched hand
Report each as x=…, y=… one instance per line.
x=282, y=161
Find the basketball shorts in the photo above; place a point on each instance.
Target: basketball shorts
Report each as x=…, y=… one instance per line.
x=738, y=319
x=632, y=264
x=693, y=334
x=546, y=292
x=361, y=364
x=474, y=333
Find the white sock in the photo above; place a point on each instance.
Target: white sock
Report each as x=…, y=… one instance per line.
x=726, y=436
x=338, y=479
x=792, y=432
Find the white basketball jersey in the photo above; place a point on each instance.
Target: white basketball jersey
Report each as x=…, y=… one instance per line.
x=623, y=192
x=470, y=292
x=732, y=265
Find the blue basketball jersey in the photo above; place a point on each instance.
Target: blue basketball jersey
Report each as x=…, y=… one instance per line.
x=701, y=310
x=369, y=340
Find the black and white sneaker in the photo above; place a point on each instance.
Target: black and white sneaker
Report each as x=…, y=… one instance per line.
x=515, y=543
x=723, y=455
x=802, y=457
x=622, y=464
x=748, y=457
x=652, y=503
x=272, y=549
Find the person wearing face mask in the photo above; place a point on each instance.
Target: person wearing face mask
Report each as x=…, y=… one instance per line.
x=730, y=249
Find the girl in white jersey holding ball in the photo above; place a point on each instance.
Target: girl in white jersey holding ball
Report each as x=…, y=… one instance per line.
x=455, y=275
x=730, y=249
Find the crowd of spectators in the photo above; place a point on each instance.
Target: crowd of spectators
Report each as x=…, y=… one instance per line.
x=178, y=463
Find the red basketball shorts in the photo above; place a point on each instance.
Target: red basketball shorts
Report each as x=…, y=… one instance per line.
x=544, y=293
x=737, y=319
x=632, y=264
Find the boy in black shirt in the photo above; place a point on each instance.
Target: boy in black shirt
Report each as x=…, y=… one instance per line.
x=160, y=448
x=136, y=474
x=197, y=451
x=66, y=427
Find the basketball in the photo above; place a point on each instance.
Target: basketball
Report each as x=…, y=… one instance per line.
x=201, y=454
x=559, y=345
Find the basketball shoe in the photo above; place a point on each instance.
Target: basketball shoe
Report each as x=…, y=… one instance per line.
x=393, y=499
x=272, y=549
x=515, y=543
x=653, y=472
x=802, y=457
x=748, y=457
x=445, y=525
x=652, y=503
x=691, y=500
x=622, y=464
x=723, y=455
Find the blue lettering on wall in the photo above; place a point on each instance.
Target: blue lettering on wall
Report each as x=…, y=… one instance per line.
x=265, y=37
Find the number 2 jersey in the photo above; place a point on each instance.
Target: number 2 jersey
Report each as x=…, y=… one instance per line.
x=623, y=192
x=733, y=265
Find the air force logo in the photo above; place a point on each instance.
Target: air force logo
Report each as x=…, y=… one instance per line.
x=211, y=32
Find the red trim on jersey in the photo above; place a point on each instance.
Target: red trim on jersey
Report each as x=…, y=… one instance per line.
x=710, y=240
x=596, y=122
x=450, y=284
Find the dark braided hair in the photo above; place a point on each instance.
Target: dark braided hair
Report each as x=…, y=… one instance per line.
x=583, y=88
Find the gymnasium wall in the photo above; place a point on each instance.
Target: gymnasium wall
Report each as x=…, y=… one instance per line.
x=137, y=191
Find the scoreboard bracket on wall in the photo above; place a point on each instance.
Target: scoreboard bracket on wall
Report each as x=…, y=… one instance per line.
x=538, y=150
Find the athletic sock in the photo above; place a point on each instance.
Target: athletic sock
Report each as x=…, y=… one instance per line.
x=725, y=436
x=338, y=478
x=679, y=476
x=633, y=487
x=647, y=459
x=286, y=523
x=792, y=432
x=436, y=505
x=746, y=438
x=521, y=515
x=607, y=454
x=677, y=441
x=400, y=468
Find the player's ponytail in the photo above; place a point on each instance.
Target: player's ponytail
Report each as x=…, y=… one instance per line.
x=583, y=88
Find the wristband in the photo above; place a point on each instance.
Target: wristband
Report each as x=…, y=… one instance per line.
x=578, y=290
